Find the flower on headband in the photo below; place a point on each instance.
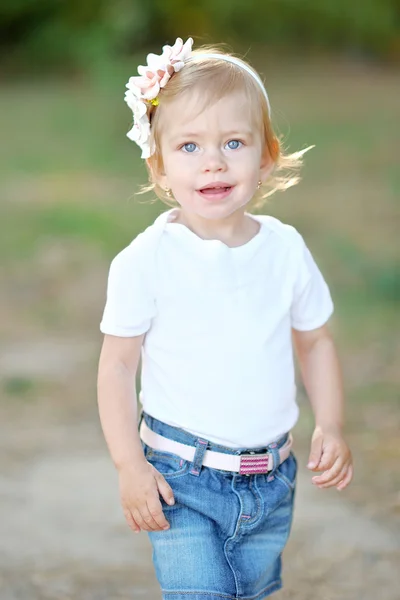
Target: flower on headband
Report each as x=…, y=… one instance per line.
x=178, y=53
x=140, y=132
x=144, y=88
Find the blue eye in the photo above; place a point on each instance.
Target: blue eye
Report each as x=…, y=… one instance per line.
x=234, y=144
x=190, y=147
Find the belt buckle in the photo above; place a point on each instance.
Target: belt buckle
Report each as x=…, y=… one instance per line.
x=254, y=464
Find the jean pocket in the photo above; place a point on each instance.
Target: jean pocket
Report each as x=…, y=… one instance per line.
x=287, y=471
x=168, y=464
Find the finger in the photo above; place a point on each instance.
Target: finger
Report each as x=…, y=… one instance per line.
x=156, y=512
x=165, y=490
x=328, y=459
x=346, y=480
x=131, y=521
x=144, y=519
x=315, y=453
x=334, y=480
x=330, y=473
x=150, y=522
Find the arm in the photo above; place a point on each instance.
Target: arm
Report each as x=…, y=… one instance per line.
x=321, y=373
x=116, y=385
x=140, y=483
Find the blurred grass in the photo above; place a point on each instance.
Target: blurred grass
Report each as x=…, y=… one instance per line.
x=69, y=172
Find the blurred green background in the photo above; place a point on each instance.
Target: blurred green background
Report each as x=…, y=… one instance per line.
x=69, y=178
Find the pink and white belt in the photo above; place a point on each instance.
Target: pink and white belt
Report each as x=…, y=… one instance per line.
x=244, y=464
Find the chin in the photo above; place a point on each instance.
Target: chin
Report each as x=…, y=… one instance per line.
x=222, y=211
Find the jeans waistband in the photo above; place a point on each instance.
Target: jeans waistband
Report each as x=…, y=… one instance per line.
x=185, y=437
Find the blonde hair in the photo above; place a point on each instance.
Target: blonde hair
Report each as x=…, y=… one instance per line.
x=217, y=78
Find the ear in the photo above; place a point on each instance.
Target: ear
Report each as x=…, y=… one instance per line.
x=160, y=178
x=266, y=164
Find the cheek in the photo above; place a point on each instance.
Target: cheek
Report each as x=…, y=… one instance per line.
x=179, y=170
x=247, y=164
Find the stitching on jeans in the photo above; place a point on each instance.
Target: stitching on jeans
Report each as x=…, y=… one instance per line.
x=272, y=587
x=212, y=594
x=182, y=470
x=285, y=480
x=229, y=540
x=291, y=486
x=257, y=495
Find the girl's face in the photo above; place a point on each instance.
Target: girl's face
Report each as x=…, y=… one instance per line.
x=213, y=159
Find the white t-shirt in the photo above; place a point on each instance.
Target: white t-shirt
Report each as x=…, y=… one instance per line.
x=217, y=358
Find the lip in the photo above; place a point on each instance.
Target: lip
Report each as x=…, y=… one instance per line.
x=211, y=193
x=215, y=184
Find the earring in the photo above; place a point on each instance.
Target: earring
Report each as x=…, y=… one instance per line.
x=168, y=192
x=259, y=184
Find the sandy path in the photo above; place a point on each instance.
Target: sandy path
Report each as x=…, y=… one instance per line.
x=63, y=537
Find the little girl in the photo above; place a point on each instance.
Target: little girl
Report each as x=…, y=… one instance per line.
x=211, y=297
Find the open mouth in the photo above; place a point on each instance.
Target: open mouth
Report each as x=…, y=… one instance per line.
x=215, y=192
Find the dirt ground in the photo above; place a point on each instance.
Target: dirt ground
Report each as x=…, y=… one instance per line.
x=63, y=536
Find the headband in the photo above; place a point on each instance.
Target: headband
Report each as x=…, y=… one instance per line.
x=143, y=89
x=243, y=66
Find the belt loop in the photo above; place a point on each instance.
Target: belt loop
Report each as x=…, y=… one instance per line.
x=274, y=451
x=201, y=447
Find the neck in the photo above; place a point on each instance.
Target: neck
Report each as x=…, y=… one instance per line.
x=236, y=230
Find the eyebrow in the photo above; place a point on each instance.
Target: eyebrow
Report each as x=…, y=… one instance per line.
x=191, y=135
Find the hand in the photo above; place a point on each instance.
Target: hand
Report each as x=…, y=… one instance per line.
x=331, y=454
x=140, y=490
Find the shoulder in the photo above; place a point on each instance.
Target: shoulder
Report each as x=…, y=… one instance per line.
x=283, y=234
x=143, y=247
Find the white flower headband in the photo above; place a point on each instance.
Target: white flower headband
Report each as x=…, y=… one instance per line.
x=143, y=90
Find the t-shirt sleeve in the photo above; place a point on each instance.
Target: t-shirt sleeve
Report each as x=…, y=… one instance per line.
x=130, y=305
x=312, y=303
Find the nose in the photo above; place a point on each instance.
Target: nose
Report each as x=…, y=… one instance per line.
x=214, y=161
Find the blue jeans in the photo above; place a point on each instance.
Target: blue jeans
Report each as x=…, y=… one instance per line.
x=227, y=531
